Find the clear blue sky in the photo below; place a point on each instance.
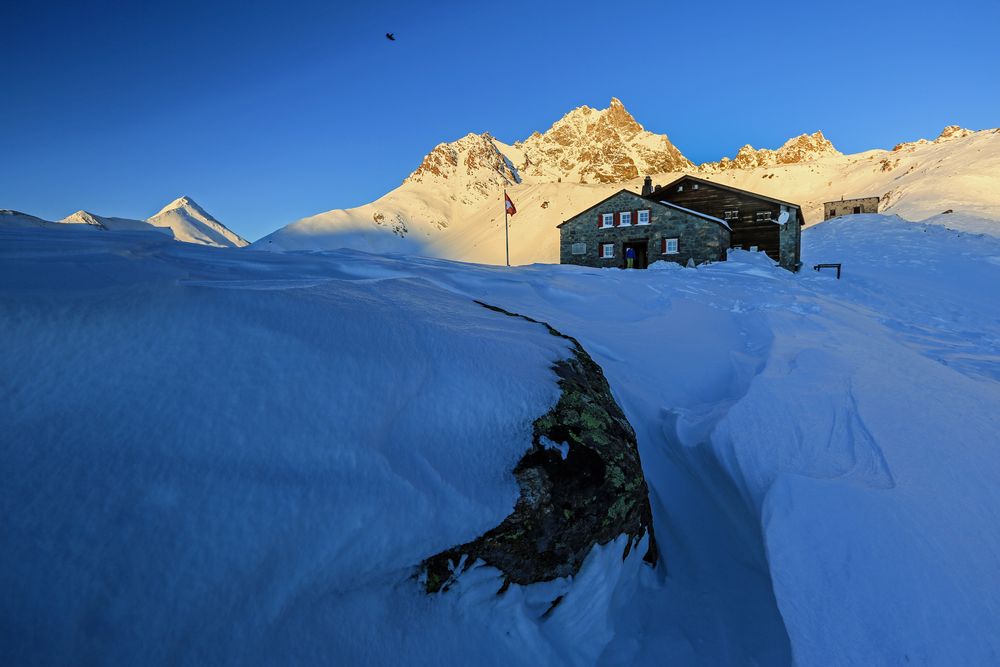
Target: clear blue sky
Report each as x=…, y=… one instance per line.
x=265, y=112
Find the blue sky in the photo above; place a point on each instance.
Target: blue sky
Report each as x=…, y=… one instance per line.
x=267, y=112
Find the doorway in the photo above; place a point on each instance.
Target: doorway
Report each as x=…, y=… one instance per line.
x=640, y=248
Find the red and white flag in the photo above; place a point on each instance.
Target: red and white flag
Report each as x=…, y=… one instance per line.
x=508, y=204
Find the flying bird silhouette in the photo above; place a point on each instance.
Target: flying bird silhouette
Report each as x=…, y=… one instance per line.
x=391, y=37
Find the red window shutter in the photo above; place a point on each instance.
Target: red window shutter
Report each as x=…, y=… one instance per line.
x=618, y=219
x=635, y=217
x=600, y=219
x=663, y=248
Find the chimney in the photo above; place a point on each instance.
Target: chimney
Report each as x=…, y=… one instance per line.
x=647, y=186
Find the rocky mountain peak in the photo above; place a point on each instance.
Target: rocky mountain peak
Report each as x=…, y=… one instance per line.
x=475, y=162
x=599, y=146
x=802, y=148
x=953, y=132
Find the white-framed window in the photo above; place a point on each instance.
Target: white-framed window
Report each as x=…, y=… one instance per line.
x=607, y=220
x=643, y=217
x=733, y=214
x=607, y=250
x=625, y=218
x=669, y=246
x=694, y=186
x=680, y=188
x=579, y=249
x=763, y=216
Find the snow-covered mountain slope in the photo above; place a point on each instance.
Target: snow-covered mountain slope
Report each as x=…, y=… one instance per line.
x=181, y=219
x=191, y=223
x=10, y=218
x=110, y=224
x=822, y=455
x=452, y=207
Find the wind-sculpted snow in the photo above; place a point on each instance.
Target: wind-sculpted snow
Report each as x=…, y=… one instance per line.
x=821, y=454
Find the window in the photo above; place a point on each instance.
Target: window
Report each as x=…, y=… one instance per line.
x=680, y=188
x=732, y=215
x=669, y=246
x=694, y=186
x=607, y=250
x=643, y=217
x=579, y=249
x=753, y=248
x=607, y=220
x=625, y=218
x=763, y=216
x=857, y=209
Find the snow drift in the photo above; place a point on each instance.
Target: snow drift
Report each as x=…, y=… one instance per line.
x=214, y=456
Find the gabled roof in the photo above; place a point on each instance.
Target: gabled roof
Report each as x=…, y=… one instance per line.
x=667, y=204
x=657, y=193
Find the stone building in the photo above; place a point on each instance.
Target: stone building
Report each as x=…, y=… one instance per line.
x=832, y=209
x=654, y=230
x=758, y=222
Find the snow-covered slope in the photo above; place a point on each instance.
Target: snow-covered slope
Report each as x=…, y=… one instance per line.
x=10, y=218
x=822, y=455
x=111, y=224
x=191, y=223
x=452, y=207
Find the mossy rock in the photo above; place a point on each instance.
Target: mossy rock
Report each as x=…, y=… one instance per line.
x=567, y=505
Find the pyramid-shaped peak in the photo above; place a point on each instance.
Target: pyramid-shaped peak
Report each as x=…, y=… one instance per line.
x=183, y=202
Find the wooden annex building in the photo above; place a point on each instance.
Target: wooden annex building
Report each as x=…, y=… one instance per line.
x=688, y=220
x=758, y=222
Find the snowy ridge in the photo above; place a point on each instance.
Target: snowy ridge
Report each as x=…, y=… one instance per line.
x=451, y=206
x=106, y=223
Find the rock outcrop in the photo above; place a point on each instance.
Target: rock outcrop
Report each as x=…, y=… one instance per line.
x=581, y=485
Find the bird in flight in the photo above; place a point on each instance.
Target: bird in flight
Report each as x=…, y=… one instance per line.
x=391, y=37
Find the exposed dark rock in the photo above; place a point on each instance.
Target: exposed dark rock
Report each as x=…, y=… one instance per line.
x=592, y=495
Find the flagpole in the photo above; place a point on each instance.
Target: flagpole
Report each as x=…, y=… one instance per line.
x=506, y=233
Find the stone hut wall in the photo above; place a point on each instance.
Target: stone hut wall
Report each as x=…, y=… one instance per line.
x=698, y=239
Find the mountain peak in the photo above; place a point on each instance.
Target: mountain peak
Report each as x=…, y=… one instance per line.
x=180, y=202
x=84, y=217
x=599, y=146
x=953, y=132
x=803, y=148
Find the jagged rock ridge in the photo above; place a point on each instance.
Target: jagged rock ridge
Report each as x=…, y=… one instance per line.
x=802, y=148
x=599, y=146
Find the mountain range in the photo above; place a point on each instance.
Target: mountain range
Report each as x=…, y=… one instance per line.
x=451, y=205
x=181, y=219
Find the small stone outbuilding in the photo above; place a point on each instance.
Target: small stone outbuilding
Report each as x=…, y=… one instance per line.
x=600, y=235
x=832, y=209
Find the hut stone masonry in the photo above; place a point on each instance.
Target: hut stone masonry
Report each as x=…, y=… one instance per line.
x=600, y=235
x=832, y=209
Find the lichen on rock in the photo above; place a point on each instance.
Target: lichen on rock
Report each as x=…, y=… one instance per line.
x=581, y=485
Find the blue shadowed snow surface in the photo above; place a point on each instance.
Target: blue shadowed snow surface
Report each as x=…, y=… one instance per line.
x=230, y=456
